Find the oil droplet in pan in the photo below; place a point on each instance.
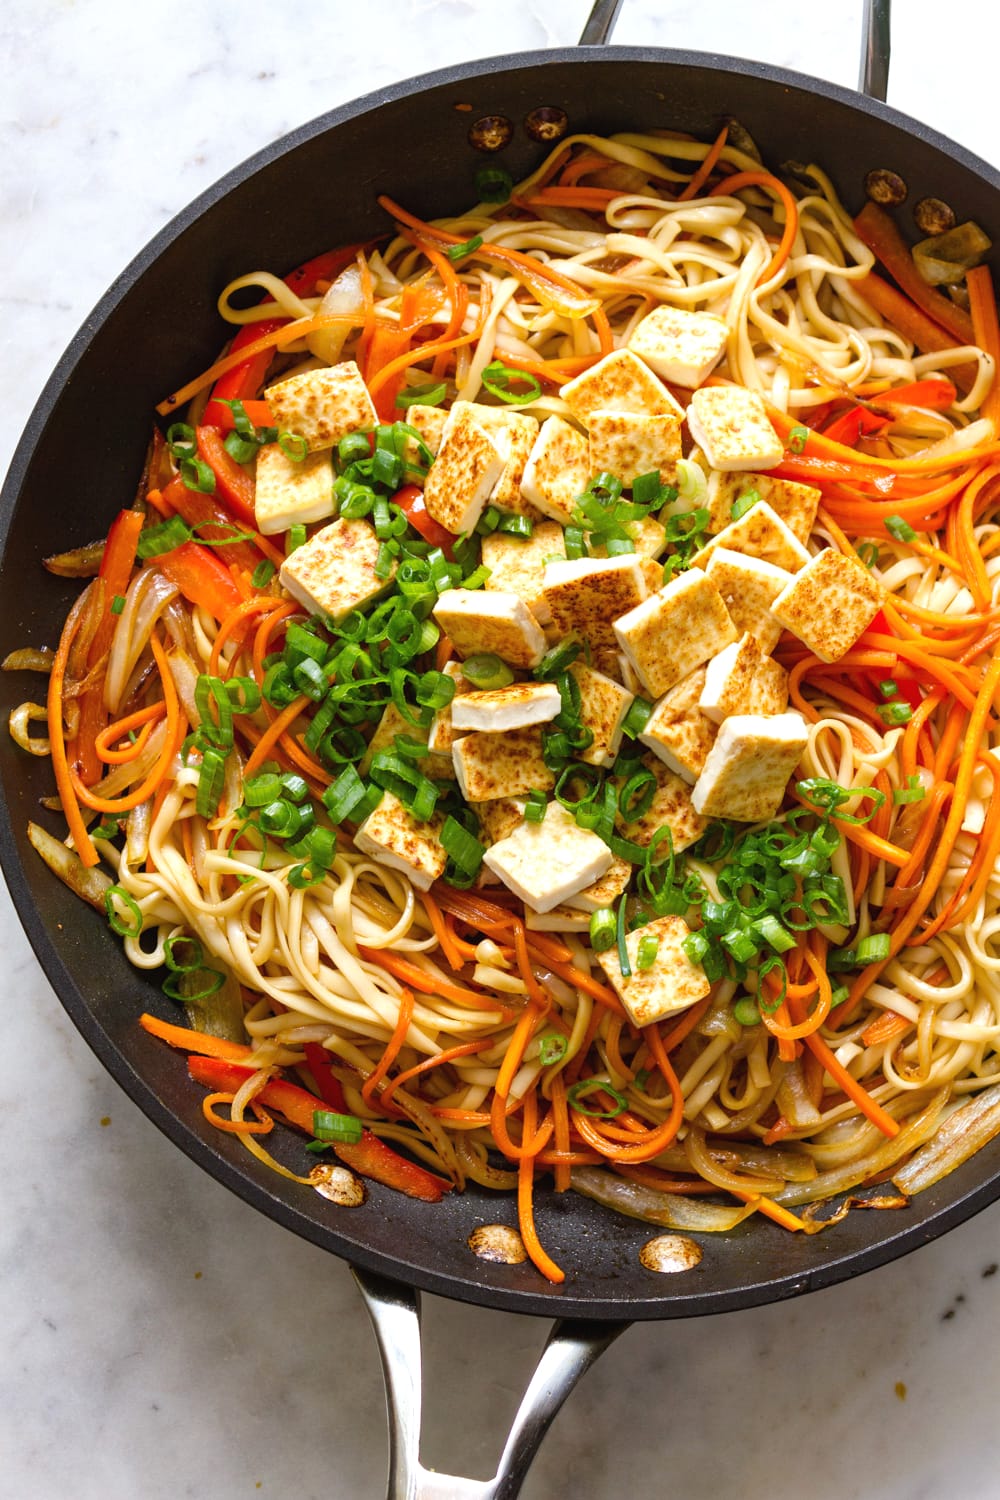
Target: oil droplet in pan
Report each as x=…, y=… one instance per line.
x=339, y=1184
x=670, y=1252
x=498, y=1242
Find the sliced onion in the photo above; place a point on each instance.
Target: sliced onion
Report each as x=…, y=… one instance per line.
x=129, y=772
x=344, y=299
x=670, y=1210
x=29, y=659
x=89, y=884
x=707, y=1165
x=479, y=1170
x=79, y=562
x=961, y=439
x=793, y=1098
x=963, y=1133
x=185, y=675
x=839, y=1179
x=147, y=596
x=19, y=721
x=137, y=826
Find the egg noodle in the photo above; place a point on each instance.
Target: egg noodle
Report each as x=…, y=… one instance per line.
x=848, y=1042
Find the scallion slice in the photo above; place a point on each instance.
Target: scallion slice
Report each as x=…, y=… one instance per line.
x=124, y=914
x=422, y=395
x=551, y=1048
x=502, y=381
x=328, y=1125
x=899, y=529
x=461, y=846
x=485, y=671
x=583, y=1090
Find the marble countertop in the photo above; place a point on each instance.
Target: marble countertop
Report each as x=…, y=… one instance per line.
x=161, y=1339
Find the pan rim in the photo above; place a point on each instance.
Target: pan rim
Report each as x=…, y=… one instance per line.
x=540, y=1301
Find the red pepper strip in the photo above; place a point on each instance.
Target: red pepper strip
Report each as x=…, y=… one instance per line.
x=197, y=509
x=369, y=1156
x=936, y=394
x=325, y=267
x=410, y=500
x=233, y=484
x=116, y=570
x=855, y=423
x=331, y=1089
x=201, y=578
x=242, y=381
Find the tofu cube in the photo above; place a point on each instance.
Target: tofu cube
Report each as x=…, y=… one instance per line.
x=749, y=587
x=748, y=768
x=429, y=421
x=437, y=766
x=515, y=437
x=678, y=731
x=441, y=735
x=681, y=346
x=671, y=983
x=618, y=382
x=557, y=470
x=562, y=918
x=586, y=595
x=517, y=564
x=758, y=533
x=391, y=836
x=499, y=818
x=545, y=863
x=795, y=504
x=671, y=807
x=323, y=406
x=334, y=572
x=829, y=604
x=770, y=688
x=462, y=476
x=731, y=427
x=604, y=891
x=627, y=445
x=510, y=764
x=675, y=630
x=476, y=621
x=603, y=706
x=515, y=706
x=742, y=680
x=289, y=493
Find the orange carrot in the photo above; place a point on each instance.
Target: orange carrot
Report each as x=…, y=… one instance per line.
x=525, y=1209
x=704, y=172
x=773, y=184
x=392, y=1050
x=426, y=984
x=878, y=231
x=187, y=1040
x=986, y=326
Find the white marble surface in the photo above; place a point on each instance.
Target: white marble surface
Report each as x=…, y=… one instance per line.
x=160, y=1339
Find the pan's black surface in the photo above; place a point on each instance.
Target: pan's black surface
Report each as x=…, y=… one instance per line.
x=155, y=327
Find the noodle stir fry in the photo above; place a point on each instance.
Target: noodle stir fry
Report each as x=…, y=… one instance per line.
x=541, y=710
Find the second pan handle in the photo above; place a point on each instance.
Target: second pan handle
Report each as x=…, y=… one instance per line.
x=874, y=77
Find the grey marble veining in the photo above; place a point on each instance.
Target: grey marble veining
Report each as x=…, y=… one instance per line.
x=160, y=1339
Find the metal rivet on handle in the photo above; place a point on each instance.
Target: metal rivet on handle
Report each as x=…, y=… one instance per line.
x=491, y=133
x=546, y=123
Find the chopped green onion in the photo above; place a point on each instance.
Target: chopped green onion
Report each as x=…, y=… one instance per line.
x=155, y=540
x=296, y=538
x=494, y=185
x=649, y=947
x=888, y=688
x=901, y=530
x=128, y=924
x=554, y=662
x=458, y=252
x=193, y=985
x=637, y=718
x=215, y=711
x=588, y=1086
x=461, y=846
x=797, y=439
x=696, y=946
x=328, y=1125
x=535, y=806
x=261, y=790
x=417, y=794
x=739, y=944
x=192, y=954
x=912, y=792
x=873, y=949
x=895, y=713
x=573, y=541
x=353, y=446
x=211, y=780
x=773, y=933
x=294, y=446
x=343, y=796
x=422, y=395
x=867, y=553
x=602, y=930
x=262, y=574
x=746, y=1012
x=744, y=503
x=551, y=1048
x=485, y=670
x=636, y=796
x=499, y=379
x=623, y=958
x=118, y=604
x=301, y=877
x=520, y=526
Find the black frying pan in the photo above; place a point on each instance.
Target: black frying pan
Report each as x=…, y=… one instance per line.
x=412, y=141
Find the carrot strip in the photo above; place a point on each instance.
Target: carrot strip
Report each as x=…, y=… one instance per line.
x=888, y=1026
x=272, y=734
x=392, y=1050
x=819, y=1012
x=464, y=1049
x=425, y=984
x=57, y=739
x=525, y=1209
x=770, y=1209
x=187, y=1040
x=764, y=179
x=878, y=231
x=261, y=1126
x=986, y=327
x=851, y=1087
x=560, y=1131
x=704, y=172
x=146, y=717
x=176, y=725
x=446, y=940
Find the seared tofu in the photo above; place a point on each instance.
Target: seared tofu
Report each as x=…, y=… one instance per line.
x=671, y=983
x=795, y=504
x=515, y=706
x=517, y=564
x=323, y=406
x=289, y=493
x=429, y=421
x=476, y=621
x=462, y=476
x=392, y=723
x=671, y=807
x=562, y=918
x=334, y=572
x=618, y=382
x=393, y=837
x=758, y=533
x=557, y=470
x=515, y=437
x=731, y=427
x=749, y=766
x=742, y=680
x=829, y=604
x=627, y=444
x=681, y=346
x=604, y=891
x=441, y=735
x=604, y=704
x=678, y=731
x=749, y=587
x=587, y=594
x=545, y=863
x=501, y=765
x=499, y=818
x=675, y=630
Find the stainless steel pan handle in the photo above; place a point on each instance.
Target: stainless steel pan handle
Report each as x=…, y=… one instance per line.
x=571, y=1349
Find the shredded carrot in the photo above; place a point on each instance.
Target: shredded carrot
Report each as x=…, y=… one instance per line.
x=426, y=984
x=704, y=172
x=176, y=727
x=446, y=941
x=773, y=184
x=57, y=740
x=770, y=1209
x=986, y=328
x=272, y=734
x=187, y=1040
x=525, y=1208
x=878, y=231
x=820, y=1011
x=145, y=717
x=392, y=1050
x=560, y=1131
x=464, y=1049
x=885, y=1028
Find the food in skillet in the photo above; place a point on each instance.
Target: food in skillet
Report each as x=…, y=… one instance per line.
x=540, y=713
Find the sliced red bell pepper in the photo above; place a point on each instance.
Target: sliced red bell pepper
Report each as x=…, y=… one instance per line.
x=196, y=509
x=855, y=423
x=326, y=267
x=331, y=1090
x=116, y=571
x=369, y=1156
x=410, y=500
x=234, y=484
x=201, y=578
x=242, y=382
